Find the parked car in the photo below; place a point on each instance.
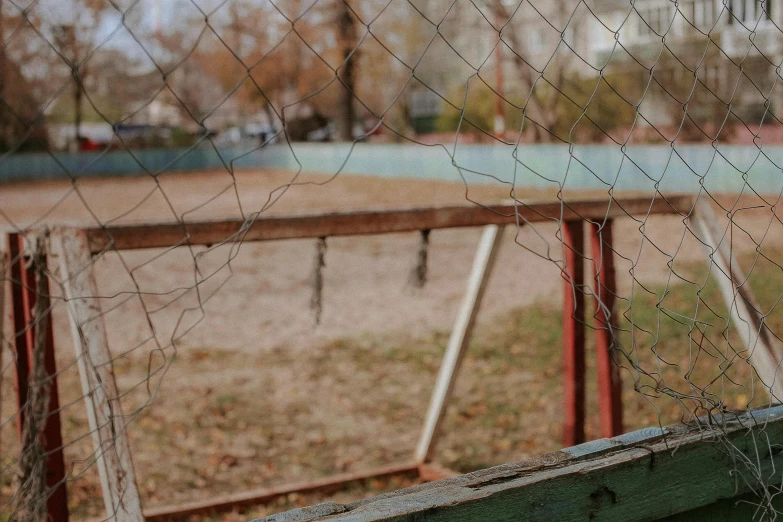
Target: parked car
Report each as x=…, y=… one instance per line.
x=252, y=131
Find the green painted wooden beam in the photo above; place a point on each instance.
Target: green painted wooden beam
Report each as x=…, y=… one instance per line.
x=743, y=508
x=641, y=476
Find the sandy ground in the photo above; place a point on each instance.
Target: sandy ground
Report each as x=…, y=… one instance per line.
x=255, y=301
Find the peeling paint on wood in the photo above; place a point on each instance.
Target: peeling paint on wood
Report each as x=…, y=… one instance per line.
x=101, y=398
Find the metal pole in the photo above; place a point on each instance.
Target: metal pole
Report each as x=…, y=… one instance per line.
x=573, y=334
x=21, y=363
x=25, y=300
x=610, y=400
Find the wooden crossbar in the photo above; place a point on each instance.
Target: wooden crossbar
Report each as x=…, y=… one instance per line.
x=166, y=235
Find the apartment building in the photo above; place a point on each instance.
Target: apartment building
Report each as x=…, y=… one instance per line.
x=708, y=53
x=701, y=55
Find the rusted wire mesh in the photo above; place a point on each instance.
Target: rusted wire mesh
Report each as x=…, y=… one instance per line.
x=183, y=111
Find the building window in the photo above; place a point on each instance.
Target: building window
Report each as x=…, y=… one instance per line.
x=697, y=12
x=658, y=18
x=537, y=40
x=711, y=77
x=749, y=11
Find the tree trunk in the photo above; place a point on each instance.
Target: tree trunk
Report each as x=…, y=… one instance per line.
x=79, y=77
x=543, y=111
x=77, y=108
x=69, y=39
x=5, y=133
x=347, y=36
x=2, y=53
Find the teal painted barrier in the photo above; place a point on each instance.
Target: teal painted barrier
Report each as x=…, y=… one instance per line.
x=641, y=168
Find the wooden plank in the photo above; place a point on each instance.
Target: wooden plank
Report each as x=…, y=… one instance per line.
x=166, y=235
x=765, y=352
x=431, y=471
x=264, y=496
x=573, y=334
x=484, y=260
x=610, y=399
x=642, y=481
x=104, y=412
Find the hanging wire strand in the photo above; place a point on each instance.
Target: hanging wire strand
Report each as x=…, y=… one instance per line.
x=316, y=300
x=419, y=273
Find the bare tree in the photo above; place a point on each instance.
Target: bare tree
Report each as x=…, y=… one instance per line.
x=347, y=40
x=74, y=38
x=65, y=39
x=2, y=52
x=545, y=104
x=20, y=122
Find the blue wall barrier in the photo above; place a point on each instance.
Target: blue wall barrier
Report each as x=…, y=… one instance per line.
x=641, y=168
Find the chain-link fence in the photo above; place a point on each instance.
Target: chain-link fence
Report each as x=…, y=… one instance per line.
x=146, y=149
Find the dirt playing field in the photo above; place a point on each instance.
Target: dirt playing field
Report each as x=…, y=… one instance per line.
x=241, y=389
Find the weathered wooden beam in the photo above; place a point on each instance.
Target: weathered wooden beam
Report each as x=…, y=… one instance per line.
x=484, y=260
x=104, y=412
x=574, y=403
x=264, y=496
x=166, y=235
x=764, y=352
x=632, y=478
x=610, y=399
